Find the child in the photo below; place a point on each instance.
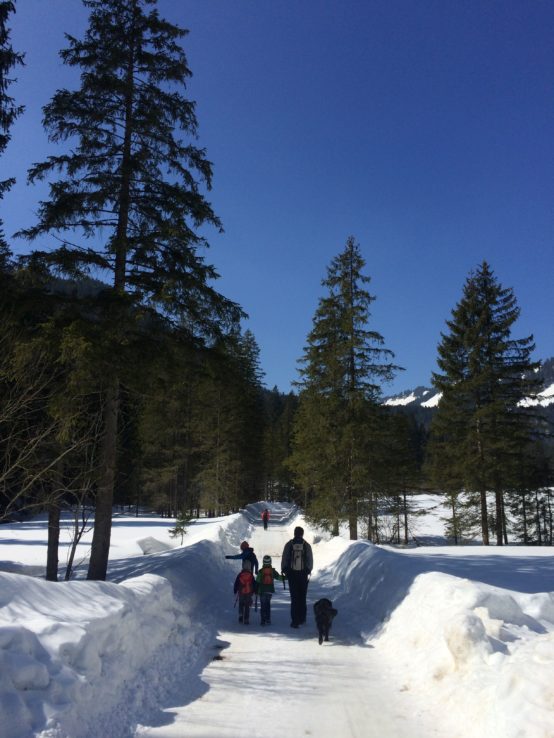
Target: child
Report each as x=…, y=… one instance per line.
x=246, y=554
x=245, y=586
x=266, y=588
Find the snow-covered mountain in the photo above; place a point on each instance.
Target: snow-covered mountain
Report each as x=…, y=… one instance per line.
x=418, y=397
x=427, y=398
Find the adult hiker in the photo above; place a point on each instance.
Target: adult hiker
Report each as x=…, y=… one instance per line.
x=266, y=587
x=245, y=586
x=246, y=554
x=265, y=518
x=297, y=563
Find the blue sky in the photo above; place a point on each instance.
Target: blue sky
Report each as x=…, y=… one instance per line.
x=423, y=128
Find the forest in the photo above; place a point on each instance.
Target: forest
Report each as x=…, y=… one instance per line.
x=127, y=379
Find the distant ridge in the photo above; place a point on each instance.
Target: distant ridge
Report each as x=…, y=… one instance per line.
x=428, y=398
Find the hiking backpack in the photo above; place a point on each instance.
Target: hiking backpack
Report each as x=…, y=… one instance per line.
x=246, y=581
x=297, y=557
x=267, y=576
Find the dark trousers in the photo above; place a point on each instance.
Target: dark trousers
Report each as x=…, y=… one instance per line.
x=265, y=607
x=245, y=603
x=265, y=524
x=298, y=585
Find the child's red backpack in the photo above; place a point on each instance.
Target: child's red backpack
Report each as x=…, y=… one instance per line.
x=246, y=583
x=267, y=575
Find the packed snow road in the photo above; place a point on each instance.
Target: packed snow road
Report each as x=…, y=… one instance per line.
x=271, y=681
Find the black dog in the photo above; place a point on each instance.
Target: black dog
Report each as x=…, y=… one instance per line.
x=324, y=614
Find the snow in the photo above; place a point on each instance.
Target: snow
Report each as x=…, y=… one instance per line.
x=401, y=400
x=544, y=398
x=429, y=642
x=432, y=401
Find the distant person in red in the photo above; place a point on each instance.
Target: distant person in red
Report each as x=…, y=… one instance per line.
x=265, y=518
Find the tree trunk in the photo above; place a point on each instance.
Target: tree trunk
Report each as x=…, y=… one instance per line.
x=504, y=523
x=370, y=517
x=454, y=520
x=549, y=508
x=353, y=518
x=538, y=518
x=499, y=517
x=405, y=519
x=484, y=518
x=524, y=512
x=100, y=549
x=53, y=541
x=98, y=565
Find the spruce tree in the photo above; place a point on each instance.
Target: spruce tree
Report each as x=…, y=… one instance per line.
x=279, y=414
x=485, y=374
x=130, y=194
x=343, y=366
x=9, y=111
x=228, y=426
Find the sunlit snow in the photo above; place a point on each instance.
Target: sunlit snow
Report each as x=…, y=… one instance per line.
x=432, y=641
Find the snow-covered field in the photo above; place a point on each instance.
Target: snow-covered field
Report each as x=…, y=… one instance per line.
x=429, y=642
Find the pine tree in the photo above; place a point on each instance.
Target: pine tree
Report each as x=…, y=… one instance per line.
x=9, y=111
x=130, y=176
x=229, y=424
x=343, y=365
x=280, y=410
x=402, y=441
x=181, y=523
x=480, y=422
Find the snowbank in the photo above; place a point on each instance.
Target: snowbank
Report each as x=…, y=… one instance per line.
x=487, y=651
x=94, y=659
x=85, y=658
x=78, y=649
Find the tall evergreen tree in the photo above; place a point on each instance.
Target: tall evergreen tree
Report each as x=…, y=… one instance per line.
x=132, y=177
x=280, y=410
x=480, y=422
x=343, y=365
x=9, y=111
x=228, y=427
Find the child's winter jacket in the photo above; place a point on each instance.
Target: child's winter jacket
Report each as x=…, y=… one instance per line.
x=247, y=555
x=265, y=578
x=245, y=584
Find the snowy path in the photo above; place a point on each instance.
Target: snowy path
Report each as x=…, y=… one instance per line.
x=269, y=682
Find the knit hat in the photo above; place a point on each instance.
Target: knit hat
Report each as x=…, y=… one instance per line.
x=267, y=560
x=247, y=565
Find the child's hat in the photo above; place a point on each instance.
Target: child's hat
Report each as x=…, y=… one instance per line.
x=267, y=560
x=247, y=565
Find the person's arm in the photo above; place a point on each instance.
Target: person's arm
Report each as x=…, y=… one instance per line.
x=278, y=576
x=234, y=556
x=285, y=559
x=309, y=558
